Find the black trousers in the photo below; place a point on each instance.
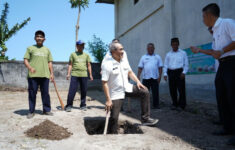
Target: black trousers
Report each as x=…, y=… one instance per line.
x=33, y=84
x=73, y=89
x=225, y=92
x=176, y=83
x=152, y=84
x=142, y=94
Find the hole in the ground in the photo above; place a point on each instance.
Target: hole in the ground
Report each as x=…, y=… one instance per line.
x=95, y=125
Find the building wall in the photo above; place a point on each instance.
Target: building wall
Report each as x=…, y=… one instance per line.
x=14, y=74
x=157, y=21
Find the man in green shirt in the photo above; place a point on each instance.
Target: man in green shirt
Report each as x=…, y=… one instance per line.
x=79, y=64
x=38, y=60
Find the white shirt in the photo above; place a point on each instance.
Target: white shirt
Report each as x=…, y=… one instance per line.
x=176, y=60
x=223, y=35
x=150, y=65
x=116, y=74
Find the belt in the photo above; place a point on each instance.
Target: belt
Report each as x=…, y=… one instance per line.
x=226, y=58
x=179, y=69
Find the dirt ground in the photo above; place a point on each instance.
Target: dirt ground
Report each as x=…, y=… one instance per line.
x=176, y=130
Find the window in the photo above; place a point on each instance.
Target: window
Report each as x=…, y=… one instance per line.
x=136, y=1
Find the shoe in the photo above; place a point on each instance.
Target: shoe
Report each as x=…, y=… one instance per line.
x=217, y=122
x=150, y=122
x=83, y=108
x=155, y=107
x=68, y=109
x=48, y=113
x=221, y=133
x=173, y=107
x=231, y=141
x=30, y=115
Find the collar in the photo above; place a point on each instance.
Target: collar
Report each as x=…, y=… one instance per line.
x=114, y=61
x=150, y=55
x=218, y=21
x=174, y=51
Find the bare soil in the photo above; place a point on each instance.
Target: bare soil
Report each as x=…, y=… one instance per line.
x=48, y=130
x=190, y=129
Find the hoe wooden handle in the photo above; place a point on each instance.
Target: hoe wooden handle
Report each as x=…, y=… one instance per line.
x=61, y=102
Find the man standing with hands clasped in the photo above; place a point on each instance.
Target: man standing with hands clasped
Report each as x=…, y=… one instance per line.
x=38, y=60
x=79, y=63
x=175, y=67
x=224, y=51
x=151, y=66
x=115, y=73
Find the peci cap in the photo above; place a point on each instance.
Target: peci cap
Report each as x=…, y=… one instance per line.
x=80, y=42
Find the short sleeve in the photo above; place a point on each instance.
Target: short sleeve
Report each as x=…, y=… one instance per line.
x=88, y=58
x=27, y=54
x=141, y=63
x=105, y=73
x=71, y=58
x=50, y=56
x=231, y=29
x=160, y=63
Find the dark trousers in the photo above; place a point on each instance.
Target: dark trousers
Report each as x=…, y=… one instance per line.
x=144, y=97
x=176, y=83
x=33, y=84
x=152, y=84
x=73, y=89
x=225, y=92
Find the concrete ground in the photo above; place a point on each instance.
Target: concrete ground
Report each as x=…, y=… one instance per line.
x=177, y=130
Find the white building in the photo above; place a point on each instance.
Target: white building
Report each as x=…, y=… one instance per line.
x=138, y=22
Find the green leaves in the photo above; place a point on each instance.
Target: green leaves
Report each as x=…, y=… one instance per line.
x=5, y=32
x=79, y=3
x=97, y=48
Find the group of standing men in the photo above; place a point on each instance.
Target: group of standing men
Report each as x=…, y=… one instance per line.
x=174, y=70
x=116, y=72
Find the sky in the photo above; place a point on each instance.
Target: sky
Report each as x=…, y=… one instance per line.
x=57, y=19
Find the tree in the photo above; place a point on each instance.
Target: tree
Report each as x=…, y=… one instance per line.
x=5, y=33
x=80, y=4
x=97, y=48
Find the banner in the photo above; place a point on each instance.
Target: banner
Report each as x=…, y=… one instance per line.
x=200, y=63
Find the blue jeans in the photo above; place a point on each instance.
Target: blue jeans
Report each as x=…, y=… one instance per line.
x=73, y=88
x=33, y=84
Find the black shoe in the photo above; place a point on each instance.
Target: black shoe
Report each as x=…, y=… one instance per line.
x=221, y=133
x=150, y=122
x=30, y=115
x=173, y=107
x=155, y=107
x=48, y=113
x=231, y=141
x=217, y=122
x=68, y=109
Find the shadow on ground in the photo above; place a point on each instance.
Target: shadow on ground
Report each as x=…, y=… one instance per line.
x=24, y=112
x=193, y=125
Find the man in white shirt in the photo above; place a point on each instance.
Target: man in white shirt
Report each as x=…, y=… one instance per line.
x=224, y=51
x=175, y=67
x=151, y=66
x=115, y=73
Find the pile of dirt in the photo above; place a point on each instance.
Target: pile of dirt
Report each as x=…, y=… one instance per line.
x=48, y=130
x=129, y=128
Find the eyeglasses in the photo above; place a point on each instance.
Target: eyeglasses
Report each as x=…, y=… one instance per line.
x=121, y=49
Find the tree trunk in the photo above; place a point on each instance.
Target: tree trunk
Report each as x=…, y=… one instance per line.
x=77, y=25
